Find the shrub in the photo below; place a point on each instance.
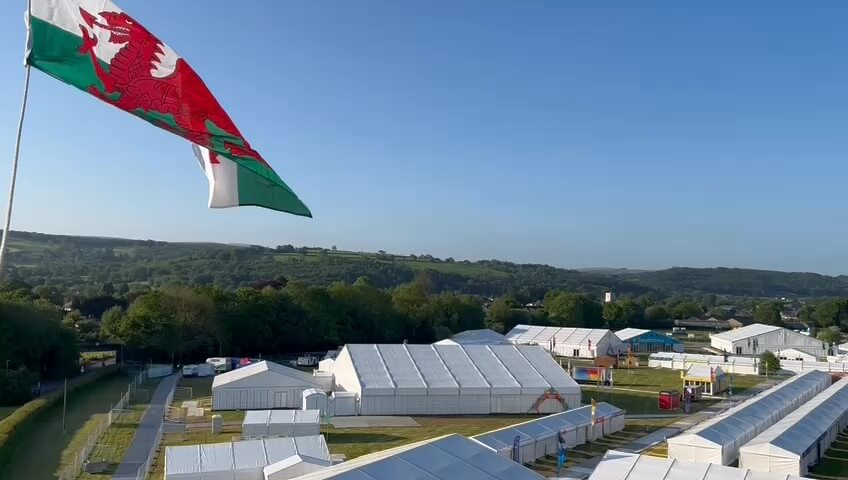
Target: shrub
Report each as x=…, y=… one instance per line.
x=16, y=387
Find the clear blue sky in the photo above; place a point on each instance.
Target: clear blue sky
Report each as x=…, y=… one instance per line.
x=543, y=131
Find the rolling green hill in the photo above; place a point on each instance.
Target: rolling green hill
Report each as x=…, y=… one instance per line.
x=77, y=263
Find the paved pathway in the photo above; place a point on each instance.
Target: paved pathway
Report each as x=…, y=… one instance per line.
x=145, y=434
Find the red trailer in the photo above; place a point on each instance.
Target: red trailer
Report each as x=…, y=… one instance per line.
x=669, y=400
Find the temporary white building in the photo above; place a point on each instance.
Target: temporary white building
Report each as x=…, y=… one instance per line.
x=262, y=385
x=446, y=458
x=541, y=436
x=718, y=440
x=483, y=336
x=245, y=460
x=641, y=340
x=314, y=399
x=801, y=438
x=617, y=465
x=758, y=338
x=343, y=404
x=454, y=379
x=842, y=348
x=682, y=361
x=568, y=342
x=281, y=423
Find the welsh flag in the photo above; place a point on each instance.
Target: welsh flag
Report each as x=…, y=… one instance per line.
x=96, y=47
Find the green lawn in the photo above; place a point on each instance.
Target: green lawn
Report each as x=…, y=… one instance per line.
x=6, y=411
x=41, y=446
x=201, y=390
x=831, y=468
x=636, y=389
x=114, y=443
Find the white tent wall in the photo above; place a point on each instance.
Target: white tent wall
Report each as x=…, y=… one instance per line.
x=315, y=399
x=567, y=341
x=345, y=374
x=758, y=338
x=718, y=440
x=801, y=438
x=261, y=386
x=682, y=361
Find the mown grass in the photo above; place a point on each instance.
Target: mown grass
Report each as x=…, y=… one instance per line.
x=41, y=447
x=201, y=391
x=635, y=390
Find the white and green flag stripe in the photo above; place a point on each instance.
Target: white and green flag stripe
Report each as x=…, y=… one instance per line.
x=96, y=47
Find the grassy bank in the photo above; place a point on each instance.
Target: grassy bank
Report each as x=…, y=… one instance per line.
x=39, y=447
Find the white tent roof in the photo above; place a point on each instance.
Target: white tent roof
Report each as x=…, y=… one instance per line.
x=843, y=347
x=618, y=465
x=698, y=358
x=742, y=422
x=239, y=456
x=446, y=458
x=702, y=370
x=448, y=369
x=628, y=333
x=239, y=374
x=533, y=334
x=799, y=430
x=745, y=332
x=281, y=417
x=547, y=426
x=484, y=336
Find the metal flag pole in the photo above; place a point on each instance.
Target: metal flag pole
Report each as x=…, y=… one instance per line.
x=8, y=222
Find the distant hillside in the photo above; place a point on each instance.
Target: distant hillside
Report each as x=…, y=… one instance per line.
x=741, y=282
x=77, y=263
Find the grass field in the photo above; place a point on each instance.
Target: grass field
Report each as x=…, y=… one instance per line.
x=42, y=445
x=417, y=265
x=114, y=443
x=635, y=390
x=201, y=390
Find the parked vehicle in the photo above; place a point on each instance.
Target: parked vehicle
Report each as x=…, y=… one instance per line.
x=220, y=364
x=307, y=361
x=190, y=370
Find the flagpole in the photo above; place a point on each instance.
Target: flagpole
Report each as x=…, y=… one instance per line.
x=8, y=222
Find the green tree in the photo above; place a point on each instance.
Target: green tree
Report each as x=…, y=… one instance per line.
x=49, y=293
x=831, y=313
x=686, y=309
x=623, y=313
x=770, y=362
x=110, y=323
x=830, y=335
x=768, y=313
x=573, y=310
x=656, y=313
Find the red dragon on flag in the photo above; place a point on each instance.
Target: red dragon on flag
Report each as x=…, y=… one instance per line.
x=96, y=47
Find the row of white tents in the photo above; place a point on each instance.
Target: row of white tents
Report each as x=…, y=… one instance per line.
x=719, y=439
x=801, y=438
x=542, y=436
x=264, y=459
x=617, y=465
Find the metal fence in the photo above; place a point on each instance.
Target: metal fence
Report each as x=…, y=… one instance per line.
x=73, y=469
